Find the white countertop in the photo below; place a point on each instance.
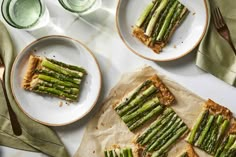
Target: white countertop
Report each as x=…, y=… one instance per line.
x=98, y=31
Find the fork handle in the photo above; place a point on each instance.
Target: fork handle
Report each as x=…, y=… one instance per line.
x=14, y=121
x=232, y=45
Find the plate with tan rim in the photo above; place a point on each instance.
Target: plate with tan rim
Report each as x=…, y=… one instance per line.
x=50, y=110
x=186, y=37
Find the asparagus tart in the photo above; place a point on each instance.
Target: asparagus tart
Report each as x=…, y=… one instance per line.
x=210, y=127
x=158, y=22
x=51, y=77
x=144, y=102
x=162, y=134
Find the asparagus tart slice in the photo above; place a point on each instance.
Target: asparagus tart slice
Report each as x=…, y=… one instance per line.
x=144, y=102
x=210, y=127
x=51, y=77
x=158, y=22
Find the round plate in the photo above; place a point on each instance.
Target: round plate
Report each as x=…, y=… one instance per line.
x=186, y=37
x=51, y=110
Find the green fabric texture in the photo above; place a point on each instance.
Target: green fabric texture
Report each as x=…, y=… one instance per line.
x=215, y=54
x=35, y=136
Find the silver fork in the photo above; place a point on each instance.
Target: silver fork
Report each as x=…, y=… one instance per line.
x=221, y=27
x=14, y=121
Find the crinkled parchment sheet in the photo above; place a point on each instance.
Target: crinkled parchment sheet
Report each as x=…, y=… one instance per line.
x=106, y=128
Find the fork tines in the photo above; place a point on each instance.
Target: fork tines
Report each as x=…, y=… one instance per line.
x=218, y=18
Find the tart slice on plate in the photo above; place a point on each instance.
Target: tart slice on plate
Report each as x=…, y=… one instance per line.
x=51, y=77
x=158, y=22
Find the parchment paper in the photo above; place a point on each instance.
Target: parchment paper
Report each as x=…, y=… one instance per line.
x=106, y=128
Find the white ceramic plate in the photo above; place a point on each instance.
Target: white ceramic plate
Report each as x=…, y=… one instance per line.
x=185, y=39
x=46, y=109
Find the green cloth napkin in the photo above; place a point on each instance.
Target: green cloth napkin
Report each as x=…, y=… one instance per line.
x=215, y=55
x=35, y=137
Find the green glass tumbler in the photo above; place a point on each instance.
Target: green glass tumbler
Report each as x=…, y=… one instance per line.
x=25, y=14
x=80, y=6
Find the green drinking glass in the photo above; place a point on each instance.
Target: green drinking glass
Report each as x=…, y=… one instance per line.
x=80, y=6
x=25, y=14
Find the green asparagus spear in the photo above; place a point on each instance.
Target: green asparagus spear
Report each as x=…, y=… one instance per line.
x=155, y=17
x=224, y=126
x=62, y=70
x=174, y=20
x=133, y=95
x=158, y=122
x=52, y=91
x=205, y=130
x=211, y=145
x=125, y=152
x=71, y=67
x=161, y=21
x=157, y=142
x=154, y=112
x=144, y=14
x=121, y=154
x=74, y=91
x=106, y=154
x=146, y=107
x=167, y=21
x=148, y=18
x=202, y=116
x=211, y=135
x=111, y=153
x=137, y=100
x=58, y=76
x=56, y=81
x=170, y=142
x=130, y=154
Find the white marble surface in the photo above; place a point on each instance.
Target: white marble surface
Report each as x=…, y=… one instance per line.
x=98, y=32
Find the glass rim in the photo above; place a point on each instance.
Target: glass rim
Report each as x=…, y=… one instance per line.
x=16, y=25
x=71, y=10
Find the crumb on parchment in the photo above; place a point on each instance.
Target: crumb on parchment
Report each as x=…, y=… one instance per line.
x=60, y=104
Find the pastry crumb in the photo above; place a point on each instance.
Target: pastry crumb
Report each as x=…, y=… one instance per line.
x=60, y=104
x=175, y=46
x=194, y=13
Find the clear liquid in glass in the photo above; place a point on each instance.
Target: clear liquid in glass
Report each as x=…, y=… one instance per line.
x=26, y=14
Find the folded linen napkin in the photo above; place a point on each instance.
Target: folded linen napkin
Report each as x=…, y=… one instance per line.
x=35, y=137
x=214, y=54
